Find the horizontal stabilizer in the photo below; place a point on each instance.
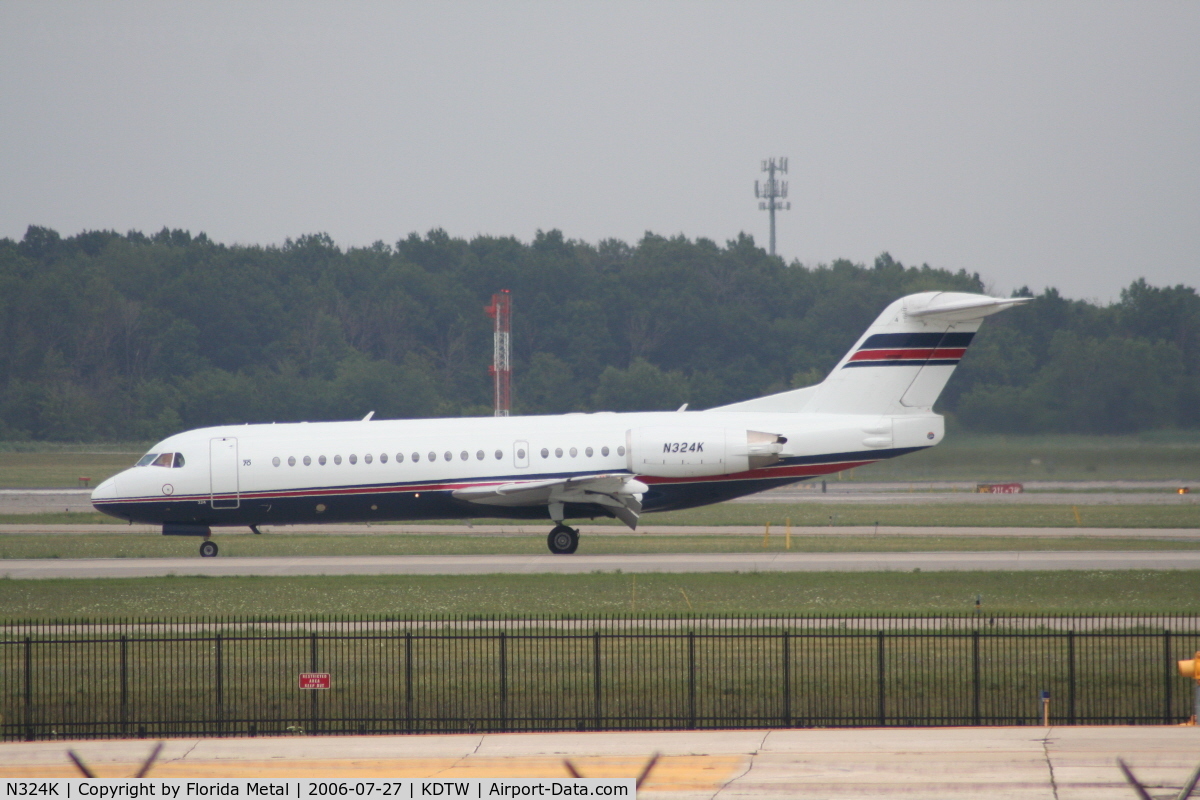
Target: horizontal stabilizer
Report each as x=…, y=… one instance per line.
x=947, y=307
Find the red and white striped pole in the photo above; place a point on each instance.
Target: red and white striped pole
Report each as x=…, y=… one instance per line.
x=501, y=311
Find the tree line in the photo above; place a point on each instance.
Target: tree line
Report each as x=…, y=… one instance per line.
x=132, y=336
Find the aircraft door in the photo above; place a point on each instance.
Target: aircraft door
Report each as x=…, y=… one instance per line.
x=521, y=455
x=223, y=472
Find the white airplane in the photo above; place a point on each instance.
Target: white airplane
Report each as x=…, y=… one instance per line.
x=876, y=403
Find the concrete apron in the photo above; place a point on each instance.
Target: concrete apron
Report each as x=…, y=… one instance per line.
x=1057, y=763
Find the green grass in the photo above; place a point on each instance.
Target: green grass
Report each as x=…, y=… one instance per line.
x=60, y=518
x=1184, y=514
x=608, y=593
x=978, y=457
x=20, y=470
x=156, y=546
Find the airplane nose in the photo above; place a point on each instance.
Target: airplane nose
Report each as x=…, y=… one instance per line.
x=105, y=491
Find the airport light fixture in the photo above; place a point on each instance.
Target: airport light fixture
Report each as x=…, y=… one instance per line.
x=1188, y=669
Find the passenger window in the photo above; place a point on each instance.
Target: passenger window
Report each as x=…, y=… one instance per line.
x=588, y=452
x=545, y=453
x=574, y=452
x=179, y=462
x=479, y=455
x=463, y=455
x=416, y=456
x=291, y=461
x=500, y=454
x=321, y=461
x=433, y=456
x=603, y=451
x=337, y=459
x=275, y=461
x=354, y=459
x=448, y=456
x=558, y=452
x=621, y=450
x=146, y=460
x=307, y=461
x=382, y=458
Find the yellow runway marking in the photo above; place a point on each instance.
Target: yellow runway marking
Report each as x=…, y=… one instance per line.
x=670, y=774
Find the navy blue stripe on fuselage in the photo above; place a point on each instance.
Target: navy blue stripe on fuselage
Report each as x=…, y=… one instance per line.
x=426, y=500
x=886, y=341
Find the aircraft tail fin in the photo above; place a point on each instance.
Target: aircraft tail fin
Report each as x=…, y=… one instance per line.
x=902, y=362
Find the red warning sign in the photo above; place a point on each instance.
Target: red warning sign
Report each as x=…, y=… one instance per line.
x=314, y=680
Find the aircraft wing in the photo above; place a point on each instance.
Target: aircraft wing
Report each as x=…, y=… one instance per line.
x=620, y=493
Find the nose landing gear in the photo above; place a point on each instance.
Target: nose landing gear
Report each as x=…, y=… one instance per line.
x=208, y=549
x=563, y=540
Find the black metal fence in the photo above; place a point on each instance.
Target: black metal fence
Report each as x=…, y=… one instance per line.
x=196, y=677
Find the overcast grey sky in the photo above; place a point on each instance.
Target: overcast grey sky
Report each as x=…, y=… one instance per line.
x=1035, y=143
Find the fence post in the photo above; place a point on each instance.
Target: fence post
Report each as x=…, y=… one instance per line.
x=316, y=725
x=408, y=686
x=503, y=682
x=1071, y=677
x=691, y=679
x=28, y=689
x=124, y=685
x=787, y=679
x=219, y=655
x=596, y=676
x=975, y=677
x=880, y=679
x=1168, y=675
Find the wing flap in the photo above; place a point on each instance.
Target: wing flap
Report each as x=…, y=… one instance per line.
x=622, y=494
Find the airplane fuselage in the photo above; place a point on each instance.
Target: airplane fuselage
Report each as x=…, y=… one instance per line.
x=876, y=403
x=384, y=470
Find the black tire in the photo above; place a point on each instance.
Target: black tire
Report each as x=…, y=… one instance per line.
x=208, y=549
x=563, y=540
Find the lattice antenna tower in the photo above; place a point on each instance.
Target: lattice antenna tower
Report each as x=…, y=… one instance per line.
x=772, y=191
x=501, y=369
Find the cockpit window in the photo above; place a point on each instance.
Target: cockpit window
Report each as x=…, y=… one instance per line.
x=174, y=460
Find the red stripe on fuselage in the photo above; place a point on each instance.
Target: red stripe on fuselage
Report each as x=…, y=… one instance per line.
x=766, y=473
x=909, y=354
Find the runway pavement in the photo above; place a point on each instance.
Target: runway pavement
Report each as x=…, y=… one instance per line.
x=1080, y=493
x=539, y=530
x=1057, y=763
x=1006, y=561
x=1074, y=493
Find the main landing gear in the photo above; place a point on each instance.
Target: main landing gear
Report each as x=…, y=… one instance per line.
x=563, y=540
x=208, y=549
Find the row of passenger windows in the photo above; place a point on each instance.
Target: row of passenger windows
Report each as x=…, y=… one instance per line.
x=447, y=456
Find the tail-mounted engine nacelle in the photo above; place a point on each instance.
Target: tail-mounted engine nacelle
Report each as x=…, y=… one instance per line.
x=695, y=452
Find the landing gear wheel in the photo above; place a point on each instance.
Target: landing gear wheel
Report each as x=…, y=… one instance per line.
x=563, y=540
x=208, y=549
